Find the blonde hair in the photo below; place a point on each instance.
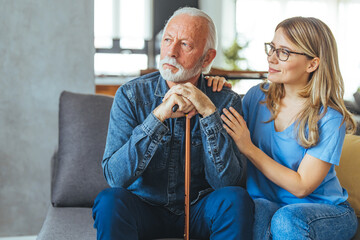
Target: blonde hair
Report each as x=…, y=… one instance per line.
x=325, y=87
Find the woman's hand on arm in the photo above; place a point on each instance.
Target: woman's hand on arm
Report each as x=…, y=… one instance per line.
x=301, y=183
x=217, y=83
x=235, y=126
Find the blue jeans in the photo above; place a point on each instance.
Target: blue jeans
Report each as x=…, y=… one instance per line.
x=303, y=221
x=226, y=213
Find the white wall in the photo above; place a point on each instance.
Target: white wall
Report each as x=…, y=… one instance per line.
x=223, y=14
x=45, y=47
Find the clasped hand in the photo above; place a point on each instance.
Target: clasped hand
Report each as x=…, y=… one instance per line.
x=190, y=100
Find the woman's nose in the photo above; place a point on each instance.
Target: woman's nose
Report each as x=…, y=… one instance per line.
x=272, y=58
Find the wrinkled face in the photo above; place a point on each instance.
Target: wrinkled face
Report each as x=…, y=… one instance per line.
x=182, y=48
x=294, y=70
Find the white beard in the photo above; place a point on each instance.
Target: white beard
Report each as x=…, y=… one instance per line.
x=182, y=74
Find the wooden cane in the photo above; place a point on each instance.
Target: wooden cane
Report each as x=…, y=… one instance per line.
x=187, y=180
x=187, y=175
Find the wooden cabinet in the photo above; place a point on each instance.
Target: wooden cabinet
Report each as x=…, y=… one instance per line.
x=106, y=89
x=110, y=89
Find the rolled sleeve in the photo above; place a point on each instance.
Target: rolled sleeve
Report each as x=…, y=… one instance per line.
x=211, y=124
x=154, y=128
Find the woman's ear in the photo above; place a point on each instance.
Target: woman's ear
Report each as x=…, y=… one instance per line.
x=209, y=57
x=313, y=65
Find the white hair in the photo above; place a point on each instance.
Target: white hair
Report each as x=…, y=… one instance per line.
x=211, y=42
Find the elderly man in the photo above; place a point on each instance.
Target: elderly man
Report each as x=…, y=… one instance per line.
x=144, y=155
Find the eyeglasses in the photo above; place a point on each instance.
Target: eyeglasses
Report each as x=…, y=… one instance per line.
x=281, y=53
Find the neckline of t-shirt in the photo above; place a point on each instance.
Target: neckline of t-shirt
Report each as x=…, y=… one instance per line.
x=286, y=130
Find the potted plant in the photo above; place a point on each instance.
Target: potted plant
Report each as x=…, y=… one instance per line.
x=233, y=54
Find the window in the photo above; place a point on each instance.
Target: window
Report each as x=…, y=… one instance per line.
x=122, y=32
x=257, y=19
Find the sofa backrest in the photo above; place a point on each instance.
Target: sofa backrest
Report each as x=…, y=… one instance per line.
x=77, y=175
x=348, y=171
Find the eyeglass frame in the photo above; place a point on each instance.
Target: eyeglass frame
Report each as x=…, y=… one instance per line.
x=277, y=50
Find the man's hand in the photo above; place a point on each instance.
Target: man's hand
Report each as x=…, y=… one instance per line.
x=197, y=98
x=164, y=110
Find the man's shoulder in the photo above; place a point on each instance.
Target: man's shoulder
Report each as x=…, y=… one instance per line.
x=225, y=98
x=150, y=78
x=224, y=95
x=139, y=87
x=145, y=82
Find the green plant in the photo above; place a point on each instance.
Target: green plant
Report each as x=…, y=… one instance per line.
x=233, y=56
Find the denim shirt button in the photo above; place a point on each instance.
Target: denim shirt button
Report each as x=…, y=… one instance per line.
x=205, y=124
x=215, y=150
x=209, y=152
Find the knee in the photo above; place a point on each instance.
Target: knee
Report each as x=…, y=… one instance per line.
x=109, y=199
x=233, y=194
x=235, y=198
x=287, y=221
x=231, y=208
x=107, y=196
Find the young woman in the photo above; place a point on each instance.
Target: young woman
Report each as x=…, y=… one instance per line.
x=292, y=133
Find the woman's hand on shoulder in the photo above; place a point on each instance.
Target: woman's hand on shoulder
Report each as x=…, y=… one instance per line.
x=217, y=83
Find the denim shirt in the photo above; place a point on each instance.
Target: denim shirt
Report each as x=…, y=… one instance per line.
x=147, y=156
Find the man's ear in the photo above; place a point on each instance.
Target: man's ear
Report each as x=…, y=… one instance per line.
x=209, y=57
x=313, y=65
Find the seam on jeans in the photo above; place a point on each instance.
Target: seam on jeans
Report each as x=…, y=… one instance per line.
x=268, y=231
x=320, y=218
x=333, y=216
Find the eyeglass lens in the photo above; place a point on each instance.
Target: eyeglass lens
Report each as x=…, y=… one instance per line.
x=282, y=54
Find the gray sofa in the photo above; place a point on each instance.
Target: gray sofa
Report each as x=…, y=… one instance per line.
x=76, y=174
x=76, y=167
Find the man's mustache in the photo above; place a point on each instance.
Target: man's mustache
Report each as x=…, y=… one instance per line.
x=171, y=61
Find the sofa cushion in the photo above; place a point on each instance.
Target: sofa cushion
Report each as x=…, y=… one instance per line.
x=77, y=173
x=68, y=224
x=348, y=171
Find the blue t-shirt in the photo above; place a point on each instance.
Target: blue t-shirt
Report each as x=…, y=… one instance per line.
x=284, y=148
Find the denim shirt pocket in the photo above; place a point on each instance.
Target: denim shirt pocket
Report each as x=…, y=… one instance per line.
x=197, y=153
x=160, y=158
